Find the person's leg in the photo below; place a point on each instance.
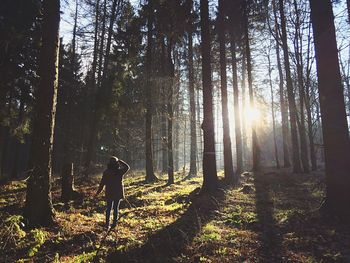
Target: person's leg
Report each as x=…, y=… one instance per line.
x=116, y=212
x=108, y=211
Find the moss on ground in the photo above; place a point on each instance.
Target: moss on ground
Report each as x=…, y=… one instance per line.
x=273, y=219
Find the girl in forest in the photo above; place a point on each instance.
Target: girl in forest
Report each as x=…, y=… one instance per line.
x=113, y=180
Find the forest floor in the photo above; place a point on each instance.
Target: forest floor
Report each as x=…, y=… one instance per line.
x=272, y=217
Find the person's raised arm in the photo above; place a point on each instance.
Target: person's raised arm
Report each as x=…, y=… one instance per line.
x=124, y=166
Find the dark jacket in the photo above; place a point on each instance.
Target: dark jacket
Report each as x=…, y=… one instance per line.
x=112, y=179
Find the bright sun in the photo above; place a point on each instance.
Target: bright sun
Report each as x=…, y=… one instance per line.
x=251, y=114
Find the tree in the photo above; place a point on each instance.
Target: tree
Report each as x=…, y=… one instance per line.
x=298, y=48
x=102, y=91
x=228, y=165
x=284, y=111
x=255, y=143
x=273, y=112
x=334, y=123
x=291, y=97
x=193, y=151
x=210, y=179
x=150, y=177
x=38, y=206
x=238, y=131
x=68, y=141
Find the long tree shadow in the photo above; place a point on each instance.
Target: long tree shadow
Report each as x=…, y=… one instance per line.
x=169, y=242
x=269, y=233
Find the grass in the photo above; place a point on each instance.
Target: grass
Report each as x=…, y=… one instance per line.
x=276, y=221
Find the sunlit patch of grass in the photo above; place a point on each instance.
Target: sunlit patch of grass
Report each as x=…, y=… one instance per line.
x=209, y=233
x=37, y=238
x=239, y=217
x=84, y=257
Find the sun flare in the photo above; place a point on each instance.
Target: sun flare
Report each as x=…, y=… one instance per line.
x=251, y=114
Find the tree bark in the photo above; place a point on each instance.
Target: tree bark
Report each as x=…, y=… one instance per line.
x=308, y=105
x=210, y=179
x=238, y=132
x=38, y=206
x=244, y=108
x=228, y=164
x=273, y=114
x=255, y=144
x=291, y=96
x=300, y=75
x=171, y=75
x=334, y=122
x=150, y=177
x=102, y=41
x=193, y=154
x=284, y=113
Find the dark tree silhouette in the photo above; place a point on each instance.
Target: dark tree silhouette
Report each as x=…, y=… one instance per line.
x=210, y=181
x=228, y=165
x=150, y=177
x=193, y=153
x=291, y=96
x=38, y=206
x=334, y=123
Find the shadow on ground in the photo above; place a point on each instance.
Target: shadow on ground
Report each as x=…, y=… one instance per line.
x=269, y=233
x=169, y=242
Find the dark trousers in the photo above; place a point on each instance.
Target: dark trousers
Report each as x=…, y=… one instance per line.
x=115, y=205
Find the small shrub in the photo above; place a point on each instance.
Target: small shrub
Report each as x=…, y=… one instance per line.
x=11, y=232
x=238, y=217
x=37, y=238
x=210, y=233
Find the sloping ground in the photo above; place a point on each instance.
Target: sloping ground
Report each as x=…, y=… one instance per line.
x=272, y=218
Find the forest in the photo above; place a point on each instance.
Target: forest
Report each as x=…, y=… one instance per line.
x=174, y=131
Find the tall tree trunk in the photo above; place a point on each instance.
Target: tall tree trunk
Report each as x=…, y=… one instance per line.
x=164, y=140
x=210, y=179
x=193, y=164
x=164, y=107
x=284, y=113
x=255, y=144
x=102, y=41
x=273, y=114
x=244, y=108
x=199, y=135
x=291, y=97
x=171, y=75
x=38, y=206
x=238, y=132
x=334, y=123
x=150, y=177
x=308, y=104
x=298, y=47
x=228, y=164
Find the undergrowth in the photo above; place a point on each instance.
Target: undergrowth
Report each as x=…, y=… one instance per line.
x=274, y=221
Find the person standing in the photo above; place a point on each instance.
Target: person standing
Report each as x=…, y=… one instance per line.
x=112, y=179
